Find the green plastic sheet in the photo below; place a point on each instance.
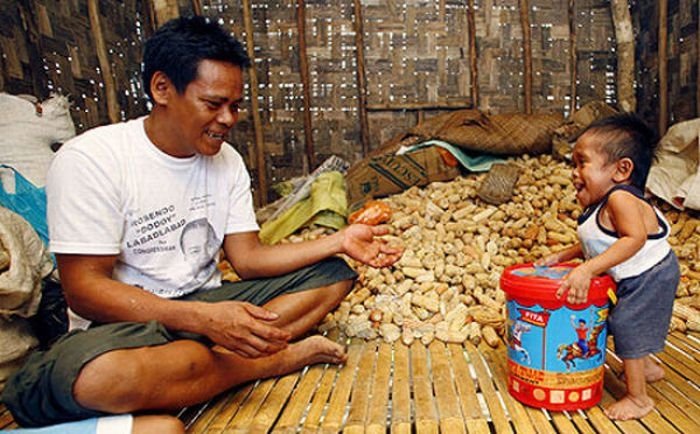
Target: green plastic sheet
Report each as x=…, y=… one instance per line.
x=326, y=205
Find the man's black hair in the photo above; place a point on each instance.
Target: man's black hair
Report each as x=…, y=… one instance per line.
x=181, y=44
x=627, y=136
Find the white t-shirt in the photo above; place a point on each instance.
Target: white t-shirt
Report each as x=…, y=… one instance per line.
x=111, y=191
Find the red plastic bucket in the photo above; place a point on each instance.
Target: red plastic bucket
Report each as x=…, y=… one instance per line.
x=556, y=350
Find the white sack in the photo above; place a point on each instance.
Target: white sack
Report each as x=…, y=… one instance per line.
x=26, y=137
x=675, y=176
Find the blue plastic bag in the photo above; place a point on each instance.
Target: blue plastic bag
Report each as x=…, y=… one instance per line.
x=28, y=201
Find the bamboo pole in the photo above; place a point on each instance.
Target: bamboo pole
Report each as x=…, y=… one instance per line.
x=197, y=7
x=624, y=36
x=261, y=192
x=573, y=57
x=411, y=106
x=527, y=52
x=306, y=86
x=663, y=66
x=113, y=109
x=473, y=55
x=361, y=80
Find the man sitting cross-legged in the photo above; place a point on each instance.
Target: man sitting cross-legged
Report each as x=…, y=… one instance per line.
x=137, y=212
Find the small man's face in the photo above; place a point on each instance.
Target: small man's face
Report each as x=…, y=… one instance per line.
x=207, y=110
x=593, y=174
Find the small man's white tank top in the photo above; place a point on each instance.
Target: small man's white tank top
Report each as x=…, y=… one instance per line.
x=595, y=239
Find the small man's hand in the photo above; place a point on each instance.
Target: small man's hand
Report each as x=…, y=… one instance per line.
x=547, y=261
x=361, y=243
x=243, y=328
x=576, y=285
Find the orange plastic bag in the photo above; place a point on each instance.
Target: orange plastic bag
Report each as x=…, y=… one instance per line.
x=372, y=213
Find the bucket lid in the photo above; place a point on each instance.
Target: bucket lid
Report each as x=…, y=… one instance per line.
x=540, y=284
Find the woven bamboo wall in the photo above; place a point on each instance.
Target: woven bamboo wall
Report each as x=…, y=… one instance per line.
x=682, y=59
x=65, y=59
x=416, y=54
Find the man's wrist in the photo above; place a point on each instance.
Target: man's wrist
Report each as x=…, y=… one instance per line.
x=185, y=316
x=338, y=241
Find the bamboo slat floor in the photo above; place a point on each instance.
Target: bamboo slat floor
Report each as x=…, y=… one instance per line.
x=445, y=388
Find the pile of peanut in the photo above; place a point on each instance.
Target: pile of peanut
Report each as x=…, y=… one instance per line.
x=446, y=285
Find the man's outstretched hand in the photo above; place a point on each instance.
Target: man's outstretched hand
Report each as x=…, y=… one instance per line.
x=361, y=243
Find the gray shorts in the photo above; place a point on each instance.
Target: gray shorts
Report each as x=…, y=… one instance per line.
x=41, y=392
x=639, y=322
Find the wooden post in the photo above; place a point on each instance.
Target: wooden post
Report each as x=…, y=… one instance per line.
x=527, y=53
x=361, y=81
x=573, y=57
x=624, y=36
x=473, y=55
x=34, y=48
x=197, y=7
x=165, y=10
x=306, y=86
x=663, y=66
x=149, y=17
x=697, y=82
x=261, y=192
x=113, y=109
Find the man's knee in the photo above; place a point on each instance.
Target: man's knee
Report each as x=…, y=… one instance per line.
x=162, y=424
x=342, y=287
x=112, y=382
x=338, y=291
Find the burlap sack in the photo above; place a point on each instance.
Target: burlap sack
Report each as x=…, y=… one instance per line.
x=20, y=283
x=501, y=134
x=565, y=136
x=497, y=186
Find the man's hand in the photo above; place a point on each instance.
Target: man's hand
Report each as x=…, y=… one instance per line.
x=243, y=328
x=360, y=242
x=576, y=285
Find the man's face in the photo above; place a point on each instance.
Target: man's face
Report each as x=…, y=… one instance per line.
x=196, y=248
x=208, y=108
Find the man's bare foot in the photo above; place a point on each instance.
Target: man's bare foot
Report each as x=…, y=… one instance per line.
x=321, y=350
x=630, y=408
x=312, y=350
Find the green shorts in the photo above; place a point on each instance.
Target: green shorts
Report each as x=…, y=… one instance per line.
x=41, y=392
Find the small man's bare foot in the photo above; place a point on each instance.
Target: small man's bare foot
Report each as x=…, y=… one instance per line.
x=652, y=373
x=318, y=349
x=630, y=408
